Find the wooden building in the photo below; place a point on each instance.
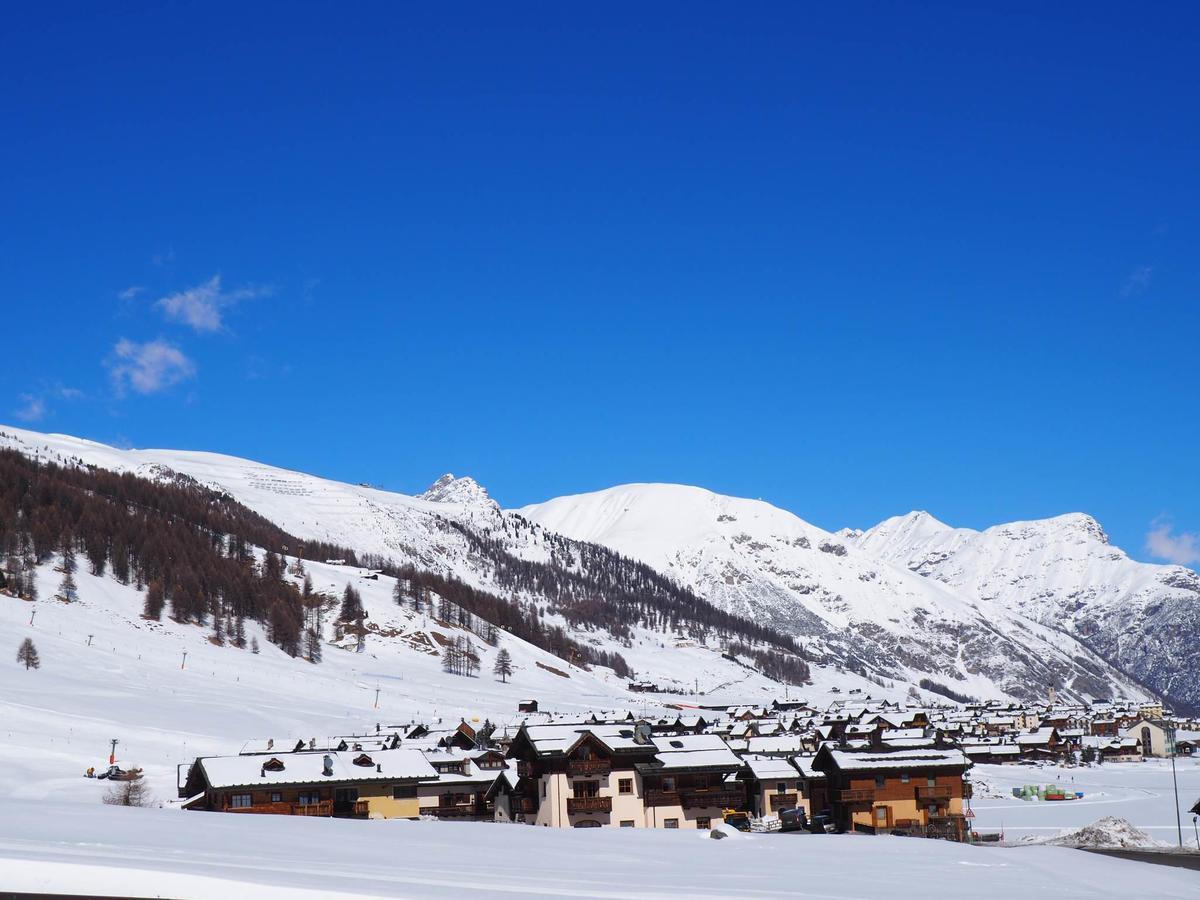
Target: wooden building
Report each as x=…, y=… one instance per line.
x=918, y=791
x=382, y=784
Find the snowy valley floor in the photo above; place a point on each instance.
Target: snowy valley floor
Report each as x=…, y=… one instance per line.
x=70, y=848
x=1139, y=792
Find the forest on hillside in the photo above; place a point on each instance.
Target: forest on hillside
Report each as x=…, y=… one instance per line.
x=192, y=552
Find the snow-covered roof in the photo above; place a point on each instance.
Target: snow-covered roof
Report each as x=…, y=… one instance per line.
x=898, y=759
x=1036, y=738
x=770, y=768
x=560, y=738
x=308, y=768
x=687, y=751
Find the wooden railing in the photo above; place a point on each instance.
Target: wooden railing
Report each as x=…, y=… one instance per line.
x=784, y=801
x=589, y=766
x=937, y=792
x=588, y=805
x=662, y=798
x=721, y=798
x=857, y=796
x=323, y=808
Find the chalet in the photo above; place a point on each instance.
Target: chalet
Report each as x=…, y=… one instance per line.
x=379, y=785
x=774, y=784
x=690, y=782
x=580, y=776
x=617, y=775
x=464, y=786
x=1041, y=743
x=920, y=791
x=992, y=752
x=527, y=706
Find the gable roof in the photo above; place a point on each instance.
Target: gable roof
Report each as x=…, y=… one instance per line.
x=309, y=768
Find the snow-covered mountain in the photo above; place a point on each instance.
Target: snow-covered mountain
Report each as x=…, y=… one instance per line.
x=1063, y=572
x=849, y=603
x=861, y=616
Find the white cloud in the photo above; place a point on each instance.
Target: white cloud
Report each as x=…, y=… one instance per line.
x=150, y=367
x=201, y=307
x=32, y=408
x=1182, y=549
x=1137, y=281
x=130, y=292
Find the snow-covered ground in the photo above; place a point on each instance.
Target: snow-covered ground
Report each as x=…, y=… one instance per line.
x=68, y=847
x=1139, y=792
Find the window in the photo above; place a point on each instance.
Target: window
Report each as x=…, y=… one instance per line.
x=309, y=798
x=586, y=788
x=670, y=823
x=781, y=787
x=276, y=797
x=880, y=781
x=881, y=815
x=587, y=823
x=627, y=823
x=904, y=778
x=704, y=823
x=668, y=783
x=240, y=801
x=931, y=781
x=404, y=791
x=543, y=788
x=624, y=785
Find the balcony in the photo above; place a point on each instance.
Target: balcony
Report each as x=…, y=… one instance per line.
x=588, y=805
x=721, y=798
x=589, y=766
x=784, y=801
x=662, y=798
x=938, y=792
x=857, y=796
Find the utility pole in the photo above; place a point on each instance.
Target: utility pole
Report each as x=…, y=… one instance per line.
x=377, y=704
x=89, y=643
x=1175, y=782
x=184, y=662
x=112, y=753
x=32, y=613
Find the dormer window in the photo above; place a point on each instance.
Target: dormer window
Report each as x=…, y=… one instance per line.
x=363, y=760
x=274, y=764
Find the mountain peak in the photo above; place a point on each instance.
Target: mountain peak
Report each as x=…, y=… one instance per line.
x=449, y=489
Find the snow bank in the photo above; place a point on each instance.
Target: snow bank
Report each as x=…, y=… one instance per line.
x=1109, y=832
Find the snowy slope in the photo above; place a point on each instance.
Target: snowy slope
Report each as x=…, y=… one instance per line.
x=765, y=563
x=852, y=608
x=420, y=530
x=1063, y=571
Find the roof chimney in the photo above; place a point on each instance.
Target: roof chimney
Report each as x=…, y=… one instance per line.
x=328, y=768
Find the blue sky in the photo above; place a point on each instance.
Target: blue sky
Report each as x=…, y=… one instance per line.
x=853, y=261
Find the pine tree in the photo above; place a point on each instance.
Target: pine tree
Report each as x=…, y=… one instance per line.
x=312, y=646
x=503, y=667
x=68, y=591
x=27, y=654
x=352, y=608
x=155, y=601
x=69, y=565
x=450, y=659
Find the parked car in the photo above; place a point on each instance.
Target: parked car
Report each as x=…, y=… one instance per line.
x=793, y=820
x=822, y=823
